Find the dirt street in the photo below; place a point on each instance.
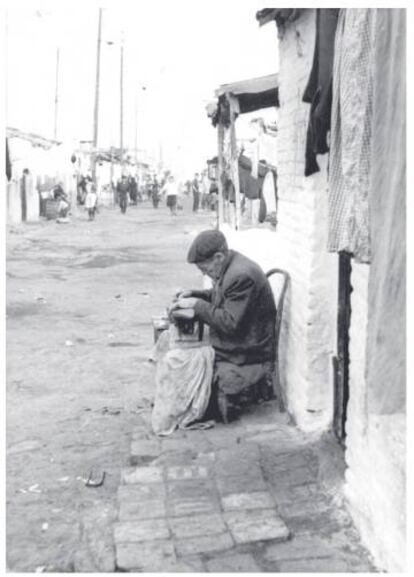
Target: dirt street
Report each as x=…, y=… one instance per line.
x=80, y=297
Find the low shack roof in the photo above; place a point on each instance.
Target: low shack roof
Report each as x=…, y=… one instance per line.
x=282, y=16
x=34, y=139
x=254, y=93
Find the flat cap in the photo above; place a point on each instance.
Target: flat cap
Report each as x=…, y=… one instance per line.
x=205, y=245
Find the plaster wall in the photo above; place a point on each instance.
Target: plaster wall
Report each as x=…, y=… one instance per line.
x=14, y=202
x=376, y=453
x=32, y=200
x=310, y=337
x=375, y=443
x=299, y=245
x=375, y=448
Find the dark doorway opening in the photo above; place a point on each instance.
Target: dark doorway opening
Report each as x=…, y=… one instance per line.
x=341, y=361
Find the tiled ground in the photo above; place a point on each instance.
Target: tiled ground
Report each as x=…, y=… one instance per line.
x=246, y=497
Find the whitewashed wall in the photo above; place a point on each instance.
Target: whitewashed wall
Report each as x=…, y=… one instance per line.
x=375, y=444
x=375, y=449
x=14, y=202
x=298, y=246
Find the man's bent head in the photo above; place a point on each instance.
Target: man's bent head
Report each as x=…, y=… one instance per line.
x=208, y=251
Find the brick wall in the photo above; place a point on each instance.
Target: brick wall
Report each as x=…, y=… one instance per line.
x=298, y=244
x=310, y=328
x=375, y=443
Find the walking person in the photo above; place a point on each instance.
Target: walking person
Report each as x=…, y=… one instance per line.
x=91, y=201
x=155, y=193
x=195, y=187
x=171, y=193
x=204, y=191
x=63, y=205
x=122, y=189
x=82, y=189
x=133, y=190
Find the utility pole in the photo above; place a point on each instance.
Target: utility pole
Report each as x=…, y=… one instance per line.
x=56, y=93
x=140, y=88
x=136, y=134
x=96, y=109
x=121, y=119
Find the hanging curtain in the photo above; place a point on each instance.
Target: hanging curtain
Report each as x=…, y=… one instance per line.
x=351, y=126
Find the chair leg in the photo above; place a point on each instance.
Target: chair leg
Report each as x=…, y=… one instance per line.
x=223, y=407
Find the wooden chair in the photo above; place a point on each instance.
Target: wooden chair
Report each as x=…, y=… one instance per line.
x=279, y=281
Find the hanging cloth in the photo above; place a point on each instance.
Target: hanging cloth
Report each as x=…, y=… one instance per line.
x=318, y=92
x=351, y=125
x=8, y=162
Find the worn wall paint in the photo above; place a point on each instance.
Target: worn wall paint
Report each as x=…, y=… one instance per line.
x=298, y=245
x=376, y=425
x=309, y=345
x=375, y=444
x=14, y=202
x=32, y=200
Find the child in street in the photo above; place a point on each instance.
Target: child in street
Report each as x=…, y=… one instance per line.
x=91, y=201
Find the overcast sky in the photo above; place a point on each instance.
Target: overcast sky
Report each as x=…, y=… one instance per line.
x=180, y=51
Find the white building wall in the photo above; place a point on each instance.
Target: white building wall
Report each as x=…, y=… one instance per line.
x=375, y=444
x=14, y=202
x=32, y=199
x=299, y=245
x=375, y=449
x=302, y=217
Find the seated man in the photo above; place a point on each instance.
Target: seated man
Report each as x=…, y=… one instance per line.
x=240, y=312
x=63, y=206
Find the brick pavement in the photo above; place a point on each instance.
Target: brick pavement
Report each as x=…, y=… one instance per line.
x=246, y=497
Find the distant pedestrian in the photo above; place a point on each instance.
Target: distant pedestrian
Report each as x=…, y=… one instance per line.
x=61, y=197
x=122, y=189
x=204, y=190
x=171, y=194
x=148, y=188
x=213, y=195
x=133, y=190
x=81, y=196
x=91, y=201
x=195, y=187
x=155, y=193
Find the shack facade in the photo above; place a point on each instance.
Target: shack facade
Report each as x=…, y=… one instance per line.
x=341, y=236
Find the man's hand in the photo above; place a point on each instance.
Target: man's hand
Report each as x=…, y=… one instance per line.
x=185, y=303
x=183, y=314
x=182, y=294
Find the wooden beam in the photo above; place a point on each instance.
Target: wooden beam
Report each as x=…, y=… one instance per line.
x=234, y=159
x=220, y=204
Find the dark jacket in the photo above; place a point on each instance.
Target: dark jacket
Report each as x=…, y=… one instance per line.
x=240, y=312
x=318, y=91
x=122, y=187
